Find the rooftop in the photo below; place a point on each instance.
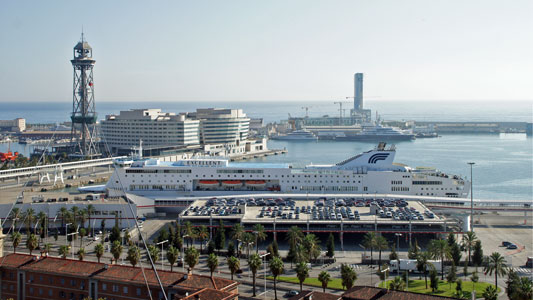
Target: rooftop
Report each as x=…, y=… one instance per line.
x=15, y=260
x=64, y=266
x=366, y=293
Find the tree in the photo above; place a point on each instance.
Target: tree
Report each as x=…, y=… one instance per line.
x=496, y=263
x=202, y=235
x=331, y=246
x=63, y=251
x=236, y=234
x=220, y=237
x=519, y=288
x=397, y=284
x=490, y=293
x=477, y=256
x=189, y=232
x=348, y=276
x=81, y=253
x=75, y=211
x=47, y=248
x=469, y=240
x=116, y=250
x=433, y=280
x=452, y=275
x=211, y=247
x=276, y=267
x=154, y=252
x=134, y=255
x=512, y=280
x=191, y=257
x=90, y=211
x=324, y=278
x=302, y=272
x=233, y=265
x=311, y=245
x=16, y=237
x=422, y=264
x=295, y=237
x=115, y=234
x=82, y=232
x=260, y=235
x=254, y=263
x=369, y=242
x=212, y=263
x=455, y=253
x=172, y=256
x=459, y=288
x=381, y=244
x=413, y=251
x=465, y=269
x=99, y=251
x=248, y=240
x=393, y=255
x=15, y=216
x=439, y=250
x=451, y=239
x=273, y=250
x=474, y=278
x=32, y=243
x=29, y=217
x=231, y=250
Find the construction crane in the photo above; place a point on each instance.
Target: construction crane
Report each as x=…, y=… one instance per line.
x=306, y=110
x=340, y=110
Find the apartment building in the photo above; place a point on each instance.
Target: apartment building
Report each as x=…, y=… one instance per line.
x=30, y=277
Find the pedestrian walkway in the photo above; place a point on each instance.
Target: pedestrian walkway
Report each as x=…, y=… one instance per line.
x=524, y=271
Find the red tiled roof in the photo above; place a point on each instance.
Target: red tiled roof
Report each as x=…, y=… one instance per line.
x=373, y=293
x=315, y=295
x=15, y=260
x=68, y=267
x=134, y=275
x=362, y=293
x=209, y=294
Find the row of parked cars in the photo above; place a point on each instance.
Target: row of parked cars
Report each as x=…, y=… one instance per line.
x=404, y=213
x=360, y=202
x=334, y=213
x=211, y=211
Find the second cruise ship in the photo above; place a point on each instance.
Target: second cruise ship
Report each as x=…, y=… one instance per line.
x=370, y=172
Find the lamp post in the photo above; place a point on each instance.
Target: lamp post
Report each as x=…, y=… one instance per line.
x=398, y=235
x=471, y=197
x=66, y=233
x=265, y=271
x=183, y=254
x=71, y=242
x=162, y=243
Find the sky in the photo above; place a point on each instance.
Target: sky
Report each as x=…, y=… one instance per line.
x=298, y=50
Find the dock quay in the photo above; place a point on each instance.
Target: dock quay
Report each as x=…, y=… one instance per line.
x=257, y=154
x=477, y=127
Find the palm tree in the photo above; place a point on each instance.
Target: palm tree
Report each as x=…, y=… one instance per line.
x=212, y=263
x=324, y=278
x=99, y=250
x=41, y=220
x=202, y=235
x=397, y=284
x=82, y=232
x=469, y=239
x=302, y=272
x=134, y=255
x=248, y=240
x=172, y=256
x=422, y=263
x=254, y=263
x=90, y=211
x=189, y=232
x=191, y=257
x=81, y=253
x=29, y=217
x=15, y=215
x=439, y=250
x=63, y=251
x=82, y=214
x=116, y=250
x=63, y=213
x=233, y=265
x=236, y=233
x=348, y=276
x=47, y=249
x=32, y=243
x=369, y=242
x=381, y=244
x=276, y=267
x=74, y=211
x=295, y=237
x=16, y=237
x=154, y=252
x=490, y=293
x=260, y=235
x=311, y=244
x=495, y=263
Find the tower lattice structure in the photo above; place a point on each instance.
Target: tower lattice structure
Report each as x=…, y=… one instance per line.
x=83, y=134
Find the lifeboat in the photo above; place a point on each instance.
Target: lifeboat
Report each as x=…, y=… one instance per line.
x=232, y=183
x=208, y=182
x=255, y=183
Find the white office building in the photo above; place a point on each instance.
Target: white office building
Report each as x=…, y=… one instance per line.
x=124, y=131
x=222, y=126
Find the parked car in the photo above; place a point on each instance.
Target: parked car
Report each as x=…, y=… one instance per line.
x=512, y=246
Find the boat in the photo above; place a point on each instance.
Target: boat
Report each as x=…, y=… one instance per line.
x=297, y=135
x=380, y=133
x=371, y=172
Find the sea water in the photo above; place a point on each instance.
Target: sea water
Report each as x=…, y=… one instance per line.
x=503, y=162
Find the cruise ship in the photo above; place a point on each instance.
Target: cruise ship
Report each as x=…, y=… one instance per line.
x=380, y=133
x=371, y=172
x=297, y=135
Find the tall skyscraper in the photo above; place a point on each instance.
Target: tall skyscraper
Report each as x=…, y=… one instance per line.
x=358, y=92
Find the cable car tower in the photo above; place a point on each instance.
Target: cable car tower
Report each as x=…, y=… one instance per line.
x=83, y=138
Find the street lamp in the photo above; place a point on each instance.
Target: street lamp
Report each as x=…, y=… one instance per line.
x=265, y=271
x=72, y=242
x=162, y=243
x=66, y=233
x=398, y=235
x=471, y=197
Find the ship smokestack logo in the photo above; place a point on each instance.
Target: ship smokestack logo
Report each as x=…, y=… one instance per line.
x=379, y=156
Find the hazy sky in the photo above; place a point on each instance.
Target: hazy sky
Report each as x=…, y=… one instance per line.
x=270, y=50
